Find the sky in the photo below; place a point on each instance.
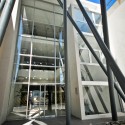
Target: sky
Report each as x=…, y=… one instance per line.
x=108, y=2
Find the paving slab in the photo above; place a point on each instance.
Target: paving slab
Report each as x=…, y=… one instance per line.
x=61, y=121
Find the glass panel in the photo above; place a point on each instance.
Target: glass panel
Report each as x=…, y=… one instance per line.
x=60, y=75
x=42, y=61
x=43, y=17
x=27, y=13
x=43, y=75
x=59, y=20
x=99, y=29
x=92, y=73
x=52, y=2
x=28, y=2
x=59, y=43
x=26, y=27
x=78, y=15
x=97, y=18
x=44, y=100
x=43, y=30
x=96, y=100
x=83, y=27
x=93, y=58
x=22, y=74
x=43, y=47
x=90, y=15
x=92, y=41
x=35, y=102
x=60, y=100
x=58, y=9
x=50, y=96
x=60, y=52
x=44, y=5
x=18, y=102
x=84, y=55
x=25, y=45
x=103, y=58
x=24, y=60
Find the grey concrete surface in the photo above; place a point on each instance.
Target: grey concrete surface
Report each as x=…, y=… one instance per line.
x=61, y=121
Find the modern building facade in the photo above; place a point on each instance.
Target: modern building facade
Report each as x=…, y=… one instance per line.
x=32, y=62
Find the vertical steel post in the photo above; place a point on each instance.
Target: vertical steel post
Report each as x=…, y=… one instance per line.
x=109, y=71
x=67, y=86
x=5, y=16
x=2, y=3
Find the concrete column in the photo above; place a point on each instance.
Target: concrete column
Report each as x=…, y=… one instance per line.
x=7, y=51
x=77, y=101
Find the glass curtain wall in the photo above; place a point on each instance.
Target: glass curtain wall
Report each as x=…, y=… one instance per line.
x=94, y=80
x=38, y=74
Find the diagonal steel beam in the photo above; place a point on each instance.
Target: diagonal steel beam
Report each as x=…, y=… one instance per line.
x=2, y=3
x=92, y=51
x=116, y=70
x=5, y=17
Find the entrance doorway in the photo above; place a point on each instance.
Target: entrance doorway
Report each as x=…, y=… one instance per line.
x=38, y=101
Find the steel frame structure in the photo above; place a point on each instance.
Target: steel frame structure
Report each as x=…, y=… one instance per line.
x=105, y=49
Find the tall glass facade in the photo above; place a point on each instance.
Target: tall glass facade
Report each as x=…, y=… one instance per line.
x=38, y=73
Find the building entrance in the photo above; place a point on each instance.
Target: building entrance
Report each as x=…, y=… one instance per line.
x=38, y=101
x=45, y=101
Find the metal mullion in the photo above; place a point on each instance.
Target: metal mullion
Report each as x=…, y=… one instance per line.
x=44, y=100
x=40, y=101
x=27, y=55
x=46, y=57
x=30, y=60
x=29, y=82
x=43, y=66
x=55, y=66
x=21, y=64
x=34, y=37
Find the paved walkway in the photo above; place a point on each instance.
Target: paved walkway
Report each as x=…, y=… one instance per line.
x=61, y=121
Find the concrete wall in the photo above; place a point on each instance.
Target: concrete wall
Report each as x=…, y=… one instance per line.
x=77, y=102
x=7, y=51
x=116, y=20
